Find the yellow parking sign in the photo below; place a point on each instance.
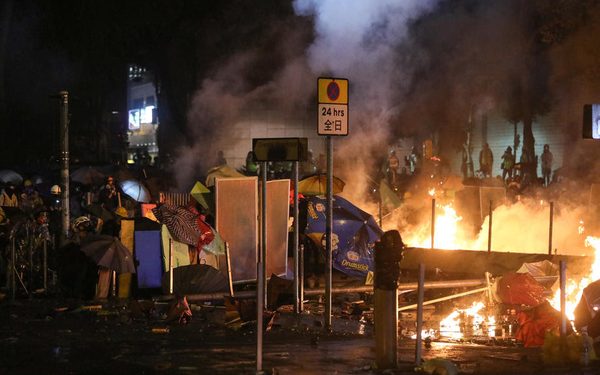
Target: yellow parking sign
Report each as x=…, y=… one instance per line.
x=333, y=90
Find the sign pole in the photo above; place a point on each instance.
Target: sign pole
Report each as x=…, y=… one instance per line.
x=296, y=213
x=328, y=234
x=260, y=269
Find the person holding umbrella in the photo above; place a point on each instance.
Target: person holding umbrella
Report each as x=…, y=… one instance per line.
x=109, y=195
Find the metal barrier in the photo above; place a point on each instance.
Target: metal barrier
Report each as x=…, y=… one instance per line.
x=177, y=199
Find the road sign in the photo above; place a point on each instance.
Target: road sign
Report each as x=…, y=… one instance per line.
x=333, y=106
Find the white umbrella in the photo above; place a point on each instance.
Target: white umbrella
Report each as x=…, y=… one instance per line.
x=9, y=176
x=136, y=190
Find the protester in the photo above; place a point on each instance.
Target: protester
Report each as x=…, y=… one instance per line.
x=8, y=197
x=508, y=162
x=547, y=159
x=251, y=165
x=109, y=195
x=486, y=160
x=392, y=169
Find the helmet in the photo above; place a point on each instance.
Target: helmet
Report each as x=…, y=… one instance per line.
x=81, y=222
x=27, y=183
x=55, y=190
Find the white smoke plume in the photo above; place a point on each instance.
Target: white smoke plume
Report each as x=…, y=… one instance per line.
x=359, y=40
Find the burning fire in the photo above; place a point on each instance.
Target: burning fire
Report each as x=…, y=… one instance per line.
x=574, y=288
x=447, y=228
x=467, y=322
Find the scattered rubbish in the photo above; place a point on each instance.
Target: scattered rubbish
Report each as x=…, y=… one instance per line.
x=91, y=308
x=160, y=330
x=438, y=366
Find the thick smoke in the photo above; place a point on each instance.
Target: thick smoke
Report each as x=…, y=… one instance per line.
x=359, y=40
x=269, y=74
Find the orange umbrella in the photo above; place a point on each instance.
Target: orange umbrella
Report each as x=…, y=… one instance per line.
x=317, y=185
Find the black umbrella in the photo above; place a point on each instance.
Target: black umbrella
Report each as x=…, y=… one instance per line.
x=195, y=279
x=87, y=176
x=109, y=252
x=100, y=212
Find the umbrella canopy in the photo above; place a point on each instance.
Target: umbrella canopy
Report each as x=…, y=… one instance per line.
x=187, y=227
x=87, y=176
x=317, y=185
x=8, y=176
x=195, y=279
x=180, y=222
x=136, y=190
x=100, y=212
x=201, y=194
x=519, y=289
x=354, y=234
x=109, y=252
x=222, y=171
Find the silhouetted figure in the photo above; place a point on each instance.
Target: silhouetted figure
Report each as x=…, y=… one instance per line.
x=508, y=163
x=547, y=159
x=486, y=160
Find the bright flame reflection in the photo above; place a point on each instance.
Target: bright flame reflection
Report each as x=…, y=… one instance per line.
x=574, y=288
x=467, y=322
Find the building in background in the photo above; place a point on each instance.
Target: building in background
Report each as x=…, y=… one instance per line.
x=142, y=116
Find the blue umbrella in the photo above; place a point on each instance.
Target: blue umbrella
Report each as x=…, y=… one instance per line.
x=354, y=234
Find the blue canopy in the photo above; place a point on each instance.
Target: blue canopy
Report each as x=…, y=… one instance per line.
x=354, y=234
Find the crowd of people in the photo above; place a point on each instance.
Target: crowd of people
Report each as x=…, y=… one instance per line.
x=39, y=209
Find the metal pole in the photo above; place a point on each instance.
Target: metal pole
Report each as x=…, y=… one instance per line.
x=114, y=283
x=328, y=234
x=64, y=142
x=228, y=261
x=260, y=271
x=30, y=254
x=264, y=235
x=490, y=229
x=442, y=299
x=432, y=222
x=296, y=239
x=420, y=298
x=380, y=210
x=563, y=306
x=550, y=228
x=301, y=279
x=170, y=266
x=13, y=269
x=45, y=259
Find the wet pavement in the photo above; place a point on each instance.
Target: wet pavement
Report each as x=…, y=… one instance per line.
x=46, y=336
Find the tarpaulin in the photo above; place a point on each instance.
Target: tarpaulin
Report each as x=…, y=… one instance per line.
x=534, y=323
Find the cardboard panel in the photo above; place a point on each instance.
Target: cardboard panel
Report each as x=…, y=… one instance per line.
x=236, y=207
x=278, y=208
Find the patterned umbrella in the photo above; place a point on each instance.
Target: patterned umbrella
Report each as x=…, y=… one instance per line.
x=109, y=252
x=180, y=222
x=187, y=227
